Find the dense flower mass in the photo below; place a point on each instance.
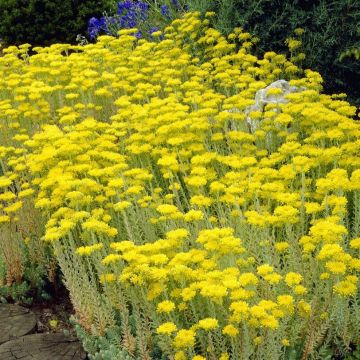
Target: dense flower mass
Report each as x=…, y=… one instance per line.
x=211, y=228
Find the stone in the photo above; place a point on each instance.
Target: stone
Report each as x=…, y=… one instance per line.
x=43, y=347
x=15, y=321
x=262, y=98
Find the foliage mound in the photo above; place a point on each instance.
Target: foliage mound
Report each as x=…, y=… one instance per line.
x=331, y=28
x=44, y=22
x=187, y=223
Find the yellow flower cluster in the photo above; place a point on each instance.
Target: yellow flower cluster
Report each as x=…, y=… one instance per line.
x=143, y=153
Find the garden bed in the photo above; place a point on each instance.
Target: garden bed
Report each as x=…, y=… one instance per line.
x=199, y=201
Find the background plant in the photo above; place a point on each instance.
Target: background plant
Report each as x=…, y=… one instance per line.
x=352, y=52
x=147, y=16
x=44, y=22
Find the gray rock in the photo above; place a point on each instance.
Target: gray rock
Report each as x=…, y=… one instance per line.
x=262, y=98
x=42, y=347
x=15, y=321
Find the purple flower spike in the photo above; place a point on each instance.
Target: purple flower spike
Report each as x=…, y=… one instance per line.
x=165, y=11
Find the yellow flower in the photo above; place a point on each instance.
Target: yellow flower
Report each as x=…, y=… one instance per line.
x=53, y=323
x=257, y=340
x=201, y=200
x=166, y=328
x=25, y=193
x=264, y=269
x=180, y=355
x=324, y=276
x=193, y=215
x=7, y=196
x=313, y=207
x=345, y=288
x=184, y=339
x=281, y=246
x=248, y=279
x=273, y=278
x=240, y=310
x=329, y=251
x=14, y=207
x=88, y=250
x=182, y=306
x=324, y=315
x=208, y=324
x=269, y=321
x=230, y=330
x=336, y=267
x=286, y=301
x=167, y=209
x=293, y=278
x=4, y=182
x=355, y=243
x=300, y=290
x=304, y=308
x=122, y=205
x=285, y=342
x=293, y=44
x=165, y=306
x=196, y=181
x=107, y=278
x=4, y=219
x=178, y=234
x=111, y=258
x=287, y=213
x=99, y=227
x=169, y=162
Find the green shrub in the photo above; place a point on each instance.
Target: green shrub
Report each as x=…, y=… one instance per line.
x=44, y=22
x=330, y=29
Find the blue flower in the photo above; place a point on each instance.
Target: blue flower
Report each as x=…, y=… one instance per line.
x=153, y=29
x=130, y=14
x=176, y=4
x=124, y=5
x=165, y=11
x=96, y=26
x=143, y=6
